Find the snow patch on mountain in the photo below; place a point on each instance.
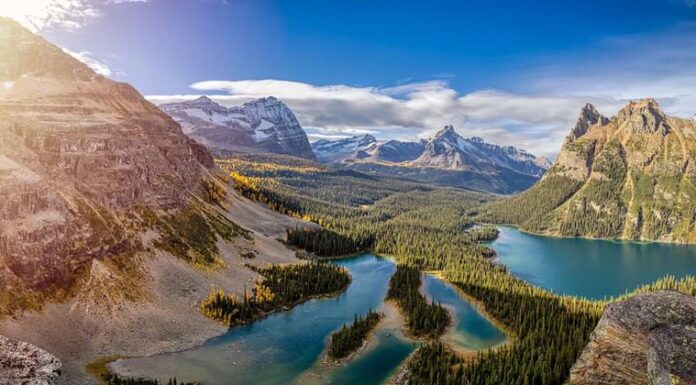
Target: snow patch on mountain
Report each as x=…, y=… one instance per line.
x=262, y=125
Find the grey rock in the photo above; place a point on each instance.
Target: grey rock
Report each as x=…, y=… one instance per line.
x=647, y=339
x=24, y=364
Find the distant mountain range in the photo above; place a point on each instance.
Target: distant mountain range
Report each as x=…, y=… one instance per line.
x=447, y=158
x=629, y=177
x=262, y=125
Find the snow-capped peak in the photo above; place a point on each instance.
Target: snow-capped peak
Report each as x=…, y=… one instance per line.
x=262, y=125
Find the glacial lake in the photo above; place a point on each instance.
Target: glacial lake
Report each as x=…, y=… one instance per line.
x=590, y=268
x=288, y=347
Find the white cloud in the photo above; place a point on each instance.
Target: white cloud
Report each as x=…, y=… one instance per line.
x=549, y=94
x=56, y=14
x=97, y=65
x=410, y=111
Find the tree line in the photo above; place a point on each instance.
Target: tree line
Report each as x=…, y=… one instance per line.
x=113, y=379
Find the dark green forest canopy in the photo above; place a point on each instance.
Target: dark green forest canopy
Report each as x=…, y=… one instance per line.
x=430, y=228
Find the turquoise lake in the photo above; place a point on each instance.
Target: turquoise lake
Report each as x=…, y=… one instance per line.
x=590, y=268
x=288, y=347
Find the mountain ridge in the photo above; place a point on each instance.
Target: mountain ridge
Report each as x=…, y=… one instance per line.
x=447, y=159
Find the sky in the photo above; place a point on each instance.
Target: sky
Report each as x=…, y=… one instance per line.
x=512, y=72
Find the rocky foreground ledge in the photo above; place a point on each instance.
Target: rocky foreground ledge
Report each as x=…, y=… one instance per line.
x=25, y=364
x=647, y=339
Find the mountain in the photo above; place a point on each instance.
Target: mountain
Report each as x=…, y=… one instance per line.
x=629, y=177
x=262, y=125
x=446, y=159
x=76, y=150
x=336, y=151
x=111, y=218
x=646, y=339
x=448, y=150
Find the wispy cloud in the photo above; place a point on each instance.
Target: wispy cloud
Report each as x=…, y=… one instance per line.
x=97, y=65
x=70, y=15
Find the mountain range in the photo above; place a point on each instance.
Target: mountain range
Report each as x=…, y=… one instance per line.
x=447, y=158
x=262, y=125
x=632, y=176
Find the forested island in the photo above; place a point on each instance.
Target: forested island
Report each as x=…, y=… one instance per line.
x=351, y=337
x=282, y=286
x=423, y=319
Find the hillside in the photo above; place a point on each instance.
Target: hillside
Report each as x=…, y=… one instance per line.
x=629, y=177
x=113, y=224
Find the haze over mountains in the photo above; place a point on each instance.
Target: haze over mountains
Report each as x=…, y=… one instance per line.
x=632, y=176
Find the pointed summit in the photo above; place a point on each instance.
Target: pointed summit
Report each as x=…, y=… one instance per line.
x=447, y=130
x=643, y=117
x=589, y=116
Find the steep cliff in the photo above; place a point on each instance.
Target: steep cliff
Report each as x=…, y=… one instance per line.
x=78, y=154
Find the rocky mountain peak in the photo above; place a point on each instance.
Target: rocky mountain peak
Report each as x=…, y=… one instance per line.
x=643, y=117
x=447, y=131
x=24, y=54
x=257, y=126
x=588, y=117
x=366, y=139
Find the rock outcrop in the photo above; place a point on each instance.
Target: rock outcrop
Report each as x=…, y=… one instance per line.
x=648, y=339
x=25, y=364
x=78, y=153
x=262, y=125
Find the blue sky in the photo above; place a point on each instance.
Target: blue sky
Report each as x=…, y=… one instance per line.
x=513, y=72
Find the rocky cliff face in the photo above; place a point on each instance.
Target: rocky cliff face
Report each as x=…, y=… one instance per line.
x=24, y=364
x=629, y=177
x=263, y=125
x=78, y=153
x=647, y=339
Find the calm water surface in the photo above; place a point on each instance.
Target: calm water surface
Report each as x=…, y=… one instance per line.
x=590, y=268
x=288, y=347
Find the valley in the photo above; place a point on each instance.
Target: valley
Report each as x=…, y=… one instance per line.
x=209, y=242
